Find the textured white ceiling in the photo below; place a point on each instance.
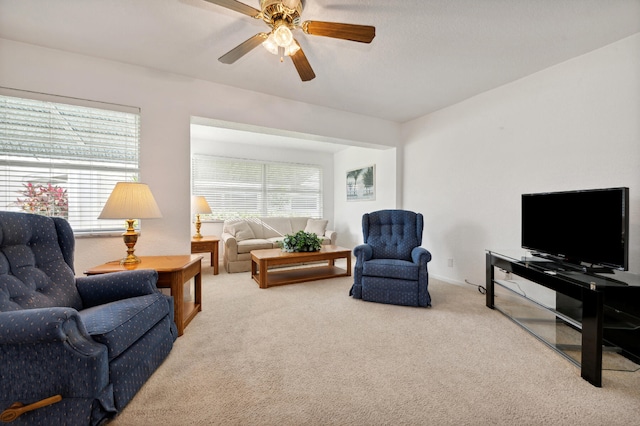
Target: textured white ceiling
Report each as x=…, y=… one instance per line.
x=427, y=54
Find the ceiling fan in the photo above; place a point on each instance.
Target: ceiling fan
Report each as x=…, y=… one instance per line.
x=282, y=16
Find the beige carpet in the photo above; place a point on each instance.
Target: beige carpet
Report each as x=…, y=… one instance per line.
x=309, y=354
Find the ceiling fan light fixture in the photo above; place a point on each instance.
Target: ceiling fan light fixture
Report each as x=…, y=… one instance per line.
x=270, y=45
x=273, y=48
x=282, y=36
x=292, y=49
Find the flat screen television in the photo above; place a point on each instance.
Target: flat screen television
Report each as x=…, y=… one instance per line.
x=589, y=228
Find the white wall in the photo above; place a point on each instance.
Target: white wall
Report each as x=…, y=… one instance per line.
x=348, y=214
x=167, y=103
x=573, y=126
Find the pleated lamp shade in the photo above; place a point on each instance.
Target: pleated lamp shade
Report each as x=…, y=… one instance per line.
x=130, y=201
x=199, y=205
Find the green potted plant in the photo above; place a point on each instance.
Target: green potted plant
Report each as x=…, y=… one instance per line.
x=301, y=241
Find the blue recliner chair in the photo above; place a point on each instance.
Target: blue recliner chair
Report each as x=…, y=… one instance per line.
x=84, y=345
x=391, y=267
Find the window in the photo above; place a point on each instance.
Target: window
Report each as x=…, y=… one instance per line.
x=63, y=159
x=244, y=188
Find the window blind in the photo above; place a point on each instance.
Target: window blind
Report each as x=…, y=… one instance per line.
x=61, y=159
x=244, y=188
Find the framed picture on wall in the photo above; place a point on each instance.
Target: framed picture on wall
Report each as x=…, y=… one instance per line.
x=361, y=184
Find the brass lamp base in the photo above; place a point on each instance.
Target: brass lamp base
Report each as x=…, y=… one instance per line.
x=198, y=235
x=130, y=238
x=130, y=260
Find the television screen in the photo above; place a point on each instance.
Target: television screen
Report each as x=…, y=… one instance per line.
x=589, y=226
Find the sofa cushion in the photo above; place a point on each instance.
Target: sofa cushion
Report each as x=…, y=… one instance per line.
x=246, y=246
x=120, y=324
x=276, y=226
x=316, y=226
x=298, y=223
x=242, y=231
x=391, y=268
x=276, y=241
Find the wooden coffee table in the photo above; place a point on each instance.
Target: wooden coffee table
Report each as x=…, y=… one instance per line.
x=261, y=260
x=173, y=273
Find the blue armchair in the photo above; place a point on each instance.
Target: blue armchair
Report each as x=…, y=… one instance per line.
x=84, y=345
x=391, y=267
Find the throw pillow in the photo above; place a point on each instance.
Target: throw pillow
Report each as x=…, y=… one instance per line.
x=242, y=231
x=316, y=226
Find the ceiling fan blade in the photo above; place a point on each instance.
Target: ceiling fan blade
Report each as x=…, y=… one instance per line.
x=302, y=65
x=238, y=7
x=243, y=48
x=360, y=33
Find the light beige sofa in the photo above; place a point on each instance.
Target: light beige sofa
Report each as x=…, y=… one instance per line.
x=240, y=236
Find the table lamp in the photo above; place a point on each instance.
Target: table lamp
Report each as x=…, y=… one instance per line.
x=199, y=205
x=130, y=200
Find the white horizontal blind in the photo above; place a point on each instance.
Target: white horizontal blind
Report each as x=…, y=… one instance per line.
x=293, y=190
x=60, y=159
x=244, y=188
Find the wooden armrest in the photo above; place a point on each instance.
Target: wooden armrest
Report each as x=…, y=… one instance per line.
x=18, y=408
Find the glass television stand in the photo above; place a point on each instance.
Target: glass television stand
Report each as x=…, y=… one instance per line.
x=592, y=319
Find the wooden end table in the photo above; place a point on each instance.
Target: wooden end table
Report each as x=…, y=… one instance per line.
x=261, y=260
x=207, y=244
x=173, y=273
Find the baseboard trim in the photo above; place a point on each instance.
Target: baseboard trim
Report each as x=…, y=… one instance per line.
x=448, y=280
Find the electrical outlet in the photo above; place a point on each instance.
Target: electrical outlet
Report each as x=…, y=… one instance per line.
x=450, y=263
